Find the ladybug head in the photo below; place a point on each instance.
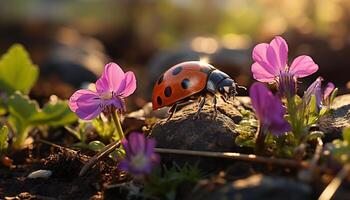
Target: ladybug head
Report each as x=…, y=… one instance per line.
x=227, y=88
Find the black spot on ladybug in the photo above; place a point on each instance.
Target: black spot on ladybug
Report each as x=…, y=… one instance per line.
x=177, y=70
x=160, y=80
x=159, y=101
x=167, y=91
x=185, y=83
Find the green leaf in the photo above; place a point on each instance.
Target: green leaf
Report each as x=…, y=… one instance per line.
x=346, y=134
x=2, y=110
x=25, y=113
x=104, y=129
x=96, y=145
x=21, y=108
x=53, y=114
x=297, y=100
x=323, y=111
x=333, y=95
x=312, y=104
x=17, y=72
x=3, y=139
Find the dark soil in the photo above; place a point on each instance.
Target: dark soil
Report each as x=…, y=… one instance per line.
x=64, y=183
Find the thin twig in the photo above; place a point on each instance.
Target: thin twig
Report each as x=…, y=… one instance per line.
x=332, y=187
x=104, y=152
x=92, y=161
x=317, y=154
x=308, y=174
x=55, y=145
x=238, y=156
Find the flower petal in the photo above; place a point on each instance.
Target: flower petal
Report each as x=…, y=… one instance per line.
x=261, y=74
x=151, y=144
x=259, y=56
x=278, y=125
x=111, y=79
x=73, y=99
x=277, y=53
x=328, y=90
x=137, y=142
x=128, y=85
x=269, y=109
x=303, y=66
x=316, y=90
x=124, y=165
x=86, y=104
x=117, y=102
x=125, y=144
x=258, y=93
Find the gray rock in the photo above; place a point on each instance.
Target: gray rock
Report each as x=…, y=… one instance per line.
x=254, y=187
x=204, y=134
x=333, y=123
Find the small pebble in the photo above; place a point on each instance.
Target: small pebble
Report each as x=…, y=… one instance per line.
x=40, y=174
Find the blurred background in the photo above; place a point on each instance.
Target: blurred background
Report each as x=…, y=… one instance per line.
x=71, y=40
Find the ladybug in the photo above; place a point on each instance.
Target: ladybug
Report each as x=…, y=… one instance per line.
x=190, y=80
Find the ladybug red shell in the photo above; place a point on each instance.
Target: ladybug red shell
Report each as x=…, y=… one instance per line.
x=180, y=81
x=192, y=78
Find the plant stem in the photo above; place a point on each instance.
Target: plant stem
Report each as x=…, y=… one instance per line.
x=335, y=183
x=296, y=120
x=237, y=156
x=260, y=140
x=118, y=126
x=20, y=138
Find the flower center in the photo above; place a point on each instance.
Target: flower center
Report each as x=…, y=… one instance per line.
x=139, y=161
x=106, y=95
x=286, y=84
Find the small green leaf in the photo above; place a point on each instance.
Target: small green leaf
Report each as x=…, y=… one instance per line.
x=323, y=111
x=21, y=108
x=312, y=104
x=53, y=114
x=2, y=110
x=17, y=72
x=25, y=113
x=96, y=145
x=3, y=139
x=333, y=95
x=346, y=134
x=104, y=129
x=297, y=100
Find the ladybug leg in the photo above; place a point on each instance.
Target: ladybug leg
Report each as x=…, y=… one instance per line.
x=215, y=107
x=200, y=106
x=224, y=99
x=171, y=111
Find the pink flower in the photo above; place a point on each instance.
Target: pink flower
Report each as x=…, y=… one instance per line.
x=140, y=155
x=111, y=88
x=321, y=94
x=269, y=110
x=271, y=65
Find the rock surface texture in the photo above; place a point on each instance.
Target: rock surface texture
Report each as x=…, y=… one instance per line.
x=256, y=186
x=207, y=133
x=333, y=123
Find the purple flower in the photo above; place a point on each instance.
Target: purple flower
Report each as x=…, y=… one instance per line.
x=111, y=88
x=269, y=110
x=140, y=155
x=271, y=66
x=321, y=95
